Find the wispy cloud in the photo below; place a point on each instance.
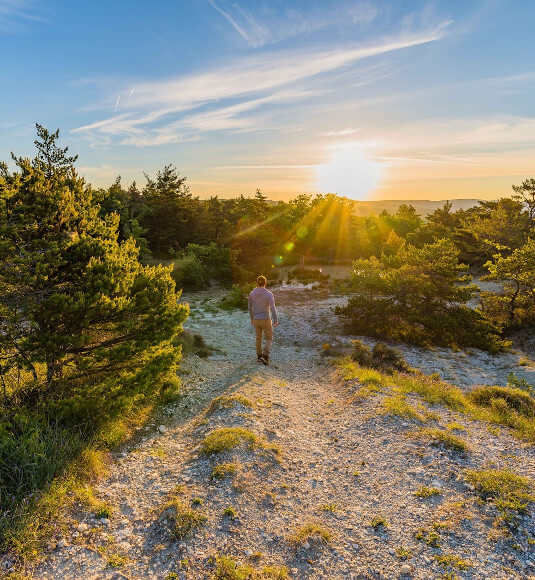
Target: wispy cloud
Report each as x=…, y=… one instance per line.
x=441, y=136
x=263, y=26
x=254, y=82
x=243, y=22
x=340, y=133
x=12, y=12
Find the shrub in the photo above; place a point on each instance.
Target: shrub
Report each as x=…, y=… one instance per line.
x=228, y=401
x=193, y=342
x=378, y=522
x=361, y=353
x=305, y=274
x=453, y=561
x=427, y=492
x=237, y=297
x=416, y=295
x=381, y=356
x=217, y=260
x=190, y=272
x=228, y=569
x=515, y=383
x=387, y=358
x=505, y=400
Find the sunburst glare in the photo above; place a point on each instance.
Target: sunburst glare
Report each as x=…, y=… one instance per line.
x=350, y=172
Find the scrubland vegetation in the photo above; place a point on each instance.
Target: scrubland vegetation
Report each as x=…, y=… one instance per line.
x=91, y=324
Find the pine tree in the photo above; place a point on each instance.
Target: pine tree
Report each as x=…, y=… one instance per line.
x=525, y=193
x=417, y=295
x=170, y=221
x=51, y=159
x=73, y=299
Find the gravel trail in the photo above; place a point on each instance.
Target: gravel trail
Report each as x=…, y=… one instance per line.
x=343, y=466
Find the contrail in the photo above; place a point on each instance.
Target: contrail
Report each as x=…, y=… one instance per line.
x=130, y=95
x=116, y=103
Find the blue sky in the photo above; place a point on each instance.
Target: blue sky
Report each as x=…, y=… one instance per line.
x=399, y=99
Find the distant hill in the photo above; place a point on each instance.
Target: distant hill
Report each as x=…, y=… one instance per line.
x=422, y=206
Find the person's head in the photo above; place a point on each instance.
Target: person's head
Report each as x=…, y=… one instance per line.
x=261, y=281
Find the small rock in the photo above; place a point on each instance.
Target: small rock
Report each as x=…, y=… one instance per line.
x=248, y=552
x=62, y=544
x=306, y=546
x=405, y=569
x=162, y=428
x=82, y=527
x=105, y=521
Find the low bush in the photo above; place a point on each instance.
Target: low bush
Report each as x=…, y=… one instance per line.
x=380, y=357
x=504, y=400
x=190, y=272
x=228, y=569
x=218, y=261
x=417, y=295
x=237, y=297
x=223, y=470
x=193, y=342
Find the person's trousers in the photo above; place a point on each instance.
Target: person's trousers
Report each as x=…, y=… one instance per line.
x=263, y=327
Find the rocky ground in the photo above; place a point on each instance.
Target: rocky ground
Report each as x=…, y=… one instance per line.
x=326, y=490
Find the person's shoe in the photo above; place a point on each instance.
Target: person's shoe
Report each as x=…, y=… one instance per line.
x=265, y=359
x=259, y=357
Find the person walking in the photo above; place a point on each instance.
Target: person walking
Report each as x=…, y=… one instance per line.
x=262, y=310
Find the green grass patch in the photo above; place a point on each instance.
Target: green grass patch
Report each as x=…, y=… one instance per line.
x=427, y=492
x=442, y=437
x=378, y=522
x=311, y=531
x=229, y=401
x=452, y=561
x=222, y=470
x=230, y=512
x=116, y=560
x=228, y=569
x=227, y=438
x=510, y=493
x=403, y=553
x=328, y=507
x=400, y=407
x=428, y=537
x=186, y=520
x=508, y=406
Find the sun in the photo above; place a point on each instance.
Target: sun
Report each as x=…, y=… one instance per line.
x=350, y=172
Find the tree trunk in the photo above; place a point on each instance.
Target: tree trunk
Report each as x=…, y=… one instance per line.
x=512, y=304
x=54, y=370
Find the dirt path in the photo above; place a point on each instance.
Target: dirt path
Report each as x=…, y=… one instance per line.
x=340, y=466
